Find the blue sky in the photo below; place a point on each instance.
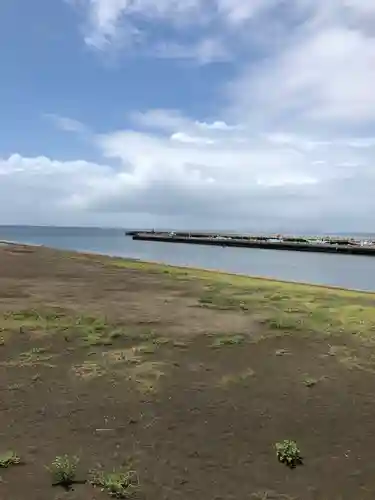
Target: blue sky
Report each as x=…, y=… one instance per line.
x=200, y=113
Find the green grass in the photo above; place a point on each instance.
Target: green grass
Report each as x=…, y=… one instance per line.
x=285, y=322
x=221, y=298
x=63, y=470
x=287, y=452
x=116, y=484
x=8, y=459
x=33, y=357
x=228, y=340
x=276, y=306
x=90, y=329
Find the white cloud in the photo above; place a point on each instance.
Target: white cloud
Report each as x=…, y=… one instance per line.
x=162, y=119
x=238, y=11
x=204, y=23
x=110, y=18
x=203, y=51
x=183, y=137
x=67, y=124
x=295, y=145
x=322, y=77
x=256, y=183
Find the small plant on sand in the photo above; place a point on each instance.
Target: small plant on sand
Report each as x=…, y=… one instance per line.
x=63, y=470
x=116, y=484
x=310, y=382
x=288, y=453
x=229, y=340
x=9, y=458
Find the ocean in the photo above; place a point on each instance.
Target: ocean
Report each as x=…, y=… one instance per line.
x=347, y=271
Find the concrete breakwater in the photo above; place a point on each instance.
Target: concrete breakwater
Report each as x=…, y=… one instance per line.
x=301, y=244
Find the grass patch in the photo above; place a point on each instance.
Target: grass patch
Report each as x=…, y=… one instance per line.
x=236, y=378
x=286, y=306
x=147, y=374
x=149, y=348
x=116, y=484
x=288, y=453
x=349, y=358
x=88, y=370
x=63, y=470
x=219, y=299
x=161, y=340
x=228, y=340
x=117, y=334
x=310, y=381
x=285, y=322
x=93, y=331
x=129, y=363
x=150, y=267
x=33, y=357
x=34, y=316
x=8, y=459
x=129, y=356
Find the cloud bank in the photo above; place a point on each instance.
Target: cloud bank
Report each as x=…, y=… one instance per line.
x=293, y=142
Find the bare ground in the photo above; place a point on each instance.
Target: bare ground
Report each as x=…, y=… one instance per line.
x=187, y=377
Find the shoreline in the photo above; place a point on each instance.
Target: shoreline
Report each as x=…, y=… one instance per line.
x=192, y=268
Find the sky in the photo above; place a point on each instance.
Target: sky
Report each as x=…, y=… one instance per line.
x=236, y=114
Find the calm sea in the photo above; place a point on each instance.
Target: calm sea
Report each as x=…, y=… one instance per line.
x=327, y=269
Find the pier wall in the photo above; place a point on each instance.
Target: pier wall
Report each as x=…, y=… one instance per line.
x=338, y=246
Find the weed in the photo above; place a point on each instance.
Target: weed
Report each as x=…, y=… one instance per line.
x=116, y=334
x=161, y=340
x=88, y=370
x=94, y=331
x=38, y=350
x=33, y=357
x=147, y=375
x=310, y=382
x=25, y=315
x=9, y=458
x=285, y=321
x=63, y=470
x=116, y=484
x=234, y=378
x=288, y=453
x=216, y=300
x=228, y=341
x=206, y=299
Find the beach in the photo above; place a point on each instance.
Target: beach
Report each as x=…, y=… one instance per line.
x=188, y=378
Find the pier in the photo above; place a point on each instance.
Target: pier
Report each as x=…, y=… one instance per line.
x=332, y=244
